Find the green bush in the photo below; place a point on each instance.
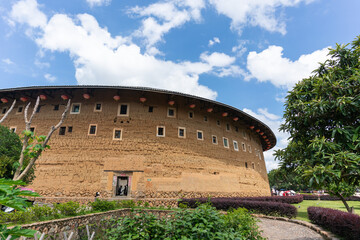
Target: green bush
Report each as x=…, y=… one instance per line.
x=127, y=204
x=44, y=212
x=103, y=205
x=70, y=208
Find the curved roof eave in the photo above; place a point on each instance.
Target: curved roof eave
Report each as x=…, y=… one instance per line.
x=250, y=118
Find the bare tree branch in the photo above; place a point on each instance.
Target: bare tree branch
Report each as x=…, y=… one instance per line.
x=8, y=111
x=20, y=176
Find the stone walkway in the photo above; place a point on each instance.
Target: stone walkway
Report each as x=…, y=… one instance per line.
x=281, y=230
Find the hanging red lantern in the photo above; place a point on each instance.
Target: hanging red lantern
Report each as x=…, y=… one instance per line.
x=264, y=137
x=86, y=96
x=252, y=127
x=171, y=102
x=42, y=97
x=209, y=110
x=192, y=106
x=261, y=133
x=24, y=99
x=224, y=114
x=64, y=97
x=257, y=130
x=143, y=99
x=235, y=119
x=4, y=100
x=116, y=97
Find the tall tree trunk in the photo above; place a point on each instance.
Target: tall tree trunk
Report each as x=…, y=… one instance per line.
x=345, y=203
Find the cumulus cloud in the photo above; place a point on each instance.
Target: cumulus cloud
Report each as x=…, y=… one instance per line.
x=213, y=41
x=240, y=49
x=50, y=77
x=273, y=121
x=93, y=3
x=27, y=11
x=7, y=61
x=100, y=58
x=159, y=18
x=270, y=65
x=255, y=13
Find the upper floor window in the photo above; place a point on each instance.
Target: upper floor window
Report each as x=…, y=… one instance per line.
x=200, y=135
x=151, y=109
x=70, y=129
x=205, y=118
x=227, y=127
x=218, y=122
x=171, y=112
x=226, y=142
x=160, y=131
x=12, y=129
x=236, y=129
x=236, y=147
x=244, y=134
x=249, y=147
x=38, y=109
x=56, y=107
x=92, y=129
x=181, y=132
x=32, y=129
x=62, y=130
x=123, y=109
x=20, y=109
x=75, y=108
x=98, y=107
x=191, y=114
x=214, y=139
x=243, y=147
x=3, y=111
x=117, y=134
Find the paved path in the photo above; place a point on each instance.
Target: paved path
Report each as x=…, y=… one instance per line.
x=281, y=230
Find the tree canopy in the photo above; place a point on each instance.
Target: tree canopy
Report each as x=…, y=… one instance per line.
x=322, y=116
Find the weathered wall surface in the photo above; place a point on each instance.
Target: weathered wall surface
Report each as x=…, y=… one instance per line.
x=79, y=165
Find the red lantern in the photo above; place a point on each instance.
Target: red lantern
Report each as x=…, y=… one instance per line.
x=42, y=97
x=4, y=100
x=86, y=96
x=171, y=102
x=252, y=127
x=264, y=137
x=225, y=114
x=257, y=130
x=261, y=133
x=64, y=97
x=24, y=99
x=116, y=97
x=192, y=106
x=143, y=99
x=235, y=119
x=209, y=110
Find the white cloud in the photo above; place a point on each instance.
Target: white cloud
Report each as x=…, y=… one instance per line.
x=258, y=13
x=213, y=41
x=273, y=121
x=102, y=59
x=50, y=77
x=240, y=49
x=270, y=65
x=7, y=61
x=40, y=64
x=93, y=3
x=27, y=11
x=161, y=17
x=217, y=59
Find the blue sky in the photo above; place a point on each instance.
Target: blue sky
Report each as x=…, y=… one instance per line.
x=245, y=53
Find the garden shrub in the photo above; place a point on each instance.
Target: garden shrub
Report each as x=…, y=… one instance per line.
x=127, y=204
x=263, y=207
x=344, y=224
x=103, y=205
x=69, y=208
x=284, y=199
x=43, y=212
x=329, y=198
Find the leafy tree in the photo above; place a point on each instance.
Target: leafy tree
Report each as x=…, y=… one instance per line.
x=280, y=178
x=10, y=149
x=322, y=116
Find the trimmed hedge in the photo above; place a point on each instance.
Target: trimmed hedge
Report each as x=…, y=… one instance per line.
x=344, y=224
x=263, y=207
x=283, y=199
x=329, y=198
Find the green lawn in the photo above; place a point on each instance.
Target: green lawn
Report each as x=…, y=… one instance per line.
x=338, y=205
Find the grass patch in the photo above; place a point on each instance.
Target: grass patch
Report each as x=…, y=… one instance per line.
x=338, y=205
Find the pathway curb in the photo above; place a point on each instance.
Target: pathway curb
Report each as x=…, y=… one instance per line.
x=325, y=234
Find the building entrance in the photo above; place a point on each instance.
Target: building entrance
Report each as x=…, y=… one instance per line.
x=122, y=186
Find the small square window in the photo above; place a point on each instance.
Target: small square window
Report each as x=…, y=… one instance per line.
x=56, y=107
x=227, y=127
x=70, y=129
x=20, y=109
x=32, y=129
x=191, y=114
x=218, y=122
x=244, y=134
x=226, y=142
x=249, y=147
x=243, y=147
x=205, y=118
x=92, y=129
x=236, y=129
x=236, y=147
x=13, y=129
x=200, y=135
x=3, y=111
x=62, y=130
x=117, y=134
x=246, y=165
x=160, y=131
x=123, y=109
x=98, y=107
x=38, y=109
x=171, y=112
x=151, y=109
x=214, y=139
x=75, y=108
x=253, y=165
x=181, y=132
